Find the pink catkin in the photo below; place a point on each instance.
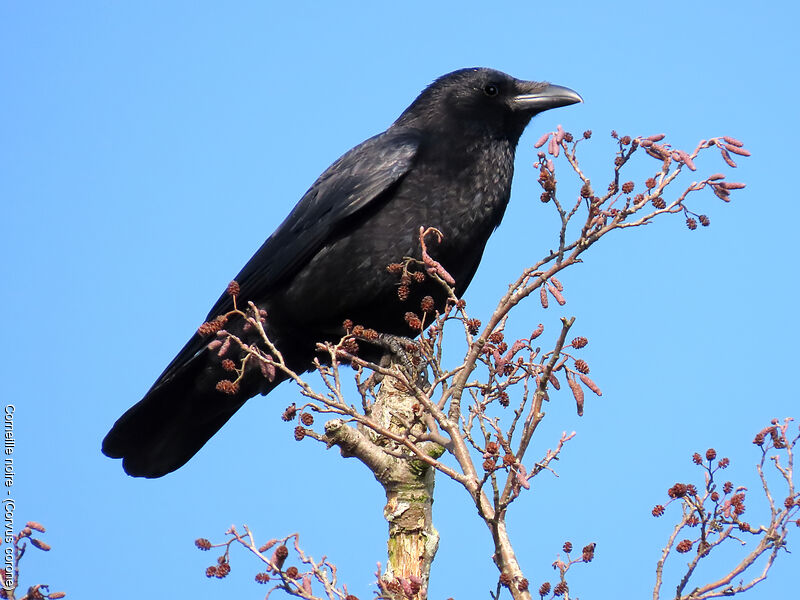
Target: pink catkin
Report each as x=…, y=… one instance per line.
x=591, y=384
x=499, y=361
x=432, y=266
x=516, y=347
x=654, y=152
x=737, y=150
x=541, y=141
x=732, y=141
x=727, y=158
x=577, y=391
x=687, y=160
x=732, y=185
x=557, y=295
x=268, y=545
x=552, y=147
x=35, y=525
x=554, y=382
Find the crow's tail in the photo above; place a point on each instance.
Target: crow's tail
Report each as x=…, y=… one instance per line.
x=175, y=419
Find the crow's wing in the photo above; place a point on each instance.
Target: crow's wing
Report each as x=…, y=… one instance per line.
x=355, y=181
x=358, y=179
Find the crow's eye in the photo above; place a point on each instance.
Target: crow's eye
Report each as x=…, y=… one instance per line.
x=490, y=89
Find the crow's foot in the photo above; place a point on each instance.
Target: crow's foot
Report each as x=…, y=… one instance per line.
x=404, y=352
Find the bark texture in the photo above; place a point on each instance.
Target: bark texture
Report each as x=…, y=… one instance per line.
x=407, y=481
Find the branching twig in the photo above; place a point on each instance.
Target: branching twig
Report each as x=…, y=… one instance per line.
x=464, y=410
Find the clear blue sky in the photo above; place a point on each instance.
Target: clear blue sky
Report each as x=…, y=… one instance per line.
x=148, y=148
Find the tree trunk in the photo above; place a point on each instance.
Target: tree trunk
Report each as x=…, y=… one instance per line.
x=408, y=483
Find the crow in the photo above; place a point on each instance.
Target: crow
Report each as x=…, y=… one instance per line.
x=446, y=162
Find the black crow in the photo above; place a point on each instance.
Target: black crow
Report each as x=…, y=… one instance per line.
x=447, y=162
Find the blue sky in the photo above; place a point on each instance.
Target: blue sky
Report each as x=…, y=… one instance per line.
x=149, y=148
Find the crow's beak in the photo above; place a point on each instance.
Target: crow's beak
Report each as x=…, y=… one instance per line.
x=550, y=96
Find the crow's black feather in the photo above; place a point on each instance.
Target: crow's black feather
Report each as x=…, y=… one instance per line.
x=447, y=162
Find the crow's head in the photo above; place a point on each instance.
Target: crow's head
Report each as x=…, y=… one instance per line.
x=484, y=101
